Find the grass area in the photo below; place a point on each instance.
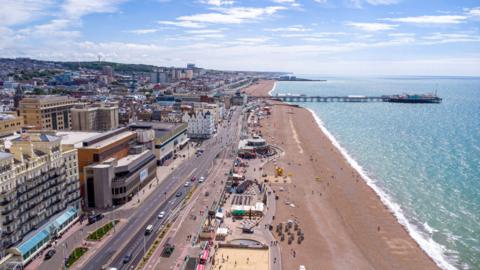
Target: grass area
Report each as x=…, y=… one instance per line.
x=76, y=254
x=102, y=231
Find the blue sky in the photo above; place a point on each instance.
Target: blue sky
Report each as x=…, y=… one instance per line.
x=338, y=37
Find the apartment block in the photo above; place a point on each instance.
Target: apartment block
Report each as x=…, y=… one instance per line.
x=47, y=112
x=40, y=195
x=95, y=117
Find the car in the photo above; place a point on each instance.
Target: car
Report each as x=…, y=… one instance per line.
x=186, y=184
x=94, y=218
x=178, y=194
x=302, y=267
x=193, y=179
x=127, y=258
x=201, y=180
x=49, y=254
x=161, y=215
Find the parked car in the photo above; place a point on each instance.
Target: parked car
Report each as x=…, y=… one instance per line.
x=186, y=184
x=201, y=180
x=94, y=218
x=161, y=215
x=178, y=194
x=193, y=179
x=49, y=254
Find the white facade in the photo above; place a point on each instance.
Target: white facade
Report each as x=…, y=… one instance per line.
x=201, y=125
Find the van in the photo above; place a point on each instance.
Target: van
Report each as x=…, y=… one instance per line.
x=149, y=229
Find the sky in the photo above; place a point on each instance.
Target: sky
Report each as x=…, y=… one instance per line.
x=331, y=37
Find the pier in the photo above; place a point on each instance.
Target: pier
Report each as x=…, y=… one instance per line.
x=303, y=98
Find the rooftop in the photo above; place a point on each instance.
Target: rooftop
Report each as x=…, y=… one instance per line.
x=75, y=138
x=110, y=140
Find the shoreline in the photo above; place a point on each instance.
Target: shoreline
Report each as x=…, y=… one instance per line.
x=436, y=254
x=365, y=248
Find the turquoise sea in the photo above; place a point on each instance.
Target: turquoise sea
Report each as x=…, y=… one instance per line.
x=422, y=159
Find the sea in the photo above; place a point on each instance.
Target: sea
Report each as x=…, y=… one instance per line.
x=423, y=160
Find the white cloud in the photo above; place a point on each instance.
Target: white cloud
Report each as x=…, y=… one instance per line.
x=143, y=31
x=79, y=8
x=234, y=15
x=217, y=2
x=474, y=12
x=185, y=24
x=204, y=31
x=434, y=19
x=293, y=28
x=382, y=2
x=372, y=27
x=321, y=1
x=441, y=38
x=22, y=11
x=292, y=3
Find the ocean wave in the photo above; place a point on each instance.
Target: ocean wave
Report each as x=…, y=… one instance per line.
x=432, y=248
x=273, y=88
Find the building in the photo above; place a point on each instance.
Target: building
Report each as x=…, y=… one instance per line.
x=97, y=149
x=238, y=99
x=39, y=196
x=116, y=181
x=47, y=112
x=201, y=125
x=107, y=71
x=158, y=76
x=95, y=117
x=168, y=139
x=10, y=123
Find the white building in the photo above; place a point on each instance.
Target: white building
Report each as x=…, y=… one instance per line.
x=201, y=125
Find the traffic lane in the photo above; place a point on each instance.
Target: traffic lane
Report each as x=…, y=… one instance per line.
x=136, y=248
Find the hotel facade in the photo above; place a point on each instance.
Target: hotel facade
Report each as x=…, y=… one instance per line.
x=39, y=196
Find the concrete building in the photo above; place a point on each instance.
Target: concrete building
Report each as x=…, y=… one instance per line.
x=39, y=196
x=158, y=76
x=238, y=99
x=169, y=138
x=95, y=117
x=10, y=123
x=116, y=181
x=97, y=149
x=47, y=112
x=201, y=125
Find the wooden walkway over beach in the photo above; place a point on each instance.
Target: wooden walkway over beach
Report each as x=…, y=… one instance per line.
x=303, y=98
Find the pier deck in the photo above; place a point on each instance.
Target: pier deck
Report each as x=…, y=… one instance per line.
x=302, y=98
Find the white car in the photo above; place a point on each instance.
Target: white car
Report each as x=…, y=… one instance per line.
x=302, y=267
x=161, y=215
x=187, y=184
x=201, y=180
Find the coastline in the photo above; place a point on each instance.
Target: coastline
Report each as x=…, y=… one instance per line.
x=433, y=250
x=347, y=237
